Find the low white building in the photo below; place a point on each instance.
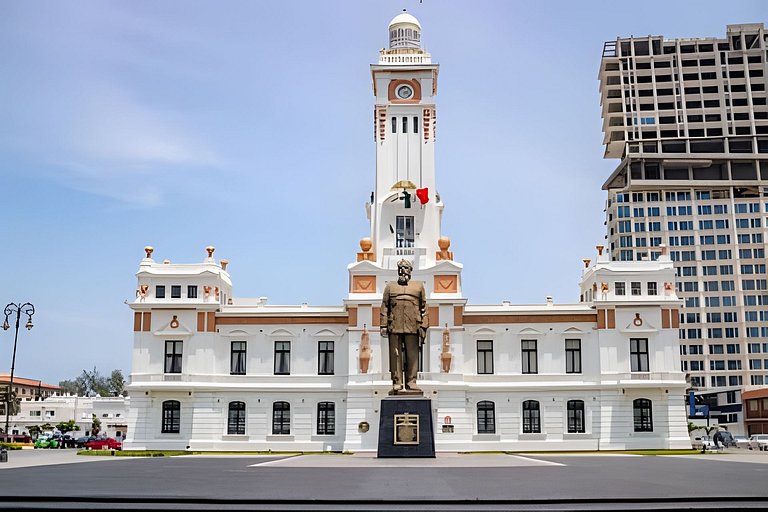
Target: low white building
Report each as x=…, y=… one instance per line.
x=215, y=372
x=111, y=411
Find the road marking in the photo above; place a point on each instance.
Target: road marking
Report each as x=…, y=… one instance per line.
x=538, y=461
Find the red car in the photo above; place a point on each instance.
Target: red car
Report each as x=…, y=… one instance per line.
x=106, y=443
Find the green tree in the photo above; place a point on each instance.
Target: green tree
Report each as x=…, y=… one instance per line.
x=95, y=426
x=34, y=430
x=91, y=383
x=117, y=383
x=67, y=426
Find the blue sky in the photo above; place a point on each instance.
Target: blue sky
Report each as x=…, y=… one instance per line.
x=248, y=125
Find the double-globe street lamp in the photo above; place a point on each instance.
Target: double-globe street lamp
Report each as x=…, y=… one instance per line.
x=29, y=310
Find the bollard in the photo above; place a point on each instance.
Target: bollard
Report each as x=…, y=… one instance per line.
x=3, y=455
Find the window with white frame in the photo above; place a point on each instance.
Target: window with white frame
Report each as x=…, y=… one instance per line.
x=486, y=417
x=638, y=354
x=484, y=356
x=575, y=410
x=573, y=356
x=531, y=417
x=530, y=356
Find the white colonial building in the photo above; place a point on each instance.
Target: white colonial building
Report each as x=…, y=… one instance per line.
x=215, y=372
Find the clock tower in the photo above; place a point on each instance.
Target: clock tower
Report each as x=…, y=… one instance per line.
x=405, y=209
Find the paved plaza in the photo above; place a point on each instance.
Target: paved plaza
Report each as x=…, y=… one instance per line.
x=62, y=479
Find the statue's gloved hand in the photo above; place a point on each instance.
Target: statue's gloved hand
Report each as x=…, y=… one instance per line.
x=384, y=332
x=422, y=333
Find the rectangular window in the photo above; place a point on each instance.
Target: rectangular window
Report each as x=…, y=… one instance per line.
x=636, y=288
x=405, y=125
x=192, y=291
x=237, y=358
x=415, y=124
x=621, y=288
x=652, y=288
x=572, y=356
x=484, y=356
x=486, y=417
x=326, y=418
x=171, y=422
x=530, y=360
x=638, y=354
x=159, y=291
x=531, y=417
x=394, y=125
x=575, y=417
x=236, y=418
x=175, y=291
x=404, y=236
x=282, y=358
x=325, y=358
x=281, y=418
x=642, y=415
x=173, y=357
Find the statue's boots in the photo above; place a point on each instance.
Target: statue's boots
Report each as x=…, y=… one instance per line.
x=411, y=386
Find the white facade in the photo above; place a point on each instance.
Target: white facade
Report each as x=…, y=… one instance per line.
x=111, y=411
x=215, y=372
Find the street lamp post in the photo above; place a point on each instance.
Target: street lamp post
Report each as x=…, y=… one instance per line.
x=29, y=310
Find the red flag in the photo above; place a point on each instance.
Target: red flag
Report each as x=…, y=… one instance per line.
x=423, y=195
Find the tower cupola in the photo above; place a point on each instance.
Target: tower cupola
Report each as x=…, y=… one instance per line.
x=404, y=32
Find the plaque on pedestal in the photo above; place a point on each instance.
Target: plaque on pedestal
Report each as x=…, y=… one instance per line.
x=405, y=427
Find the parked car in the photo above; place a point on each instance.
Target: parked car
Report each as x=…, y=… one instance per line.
x=741, y=441
x=46, y=441
x=80, y=441
x=758, y=442
x=104, y=443
x=703, y=443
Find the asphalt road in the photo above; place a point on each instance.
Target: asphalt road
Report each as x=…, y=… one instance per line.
x=540, y=482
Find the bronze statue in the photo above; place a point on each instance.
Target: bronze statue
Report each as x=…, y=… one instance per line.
x=404, y=320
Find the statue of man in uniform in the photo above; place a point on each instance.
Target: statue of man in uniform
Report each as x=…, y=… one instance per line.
x=404, y=320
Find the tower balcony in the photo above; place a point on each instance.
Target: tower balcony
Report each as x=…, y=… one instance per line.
x=416, y=255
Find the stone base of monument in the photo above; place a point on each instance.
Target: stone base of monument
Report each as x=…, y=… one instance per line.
x=405, y=427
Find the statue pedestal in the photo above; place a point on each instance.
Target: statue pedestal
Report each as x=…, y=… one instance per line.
x=405, y=427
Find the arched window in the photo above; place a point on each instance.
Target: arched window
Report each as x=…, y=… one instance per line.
x=281, y=418
x=641, y=408
x=486, y=417
x=576, y=416
x=236, y=418
x=326, y=419
x=531, y=417
x=171, y=417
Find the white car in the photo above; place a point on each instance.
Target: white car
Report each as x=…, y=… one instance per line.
x=758, y=442
x=703, y=443
x=741, y=441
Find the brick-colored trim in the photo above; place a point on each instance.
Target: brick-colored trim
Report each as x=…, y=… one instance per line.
x=601, y=319
x=446, y=284
x=394, y=84
x=200, y=321
x=146, y=321
x=665, y=323
x=675, y=318
x=363, y=284
x=211, y=327
x=352, y=318
x=136, y=321
x=434, y=316
x=277, y=320
x=458, y=315
x=611, y=318
x=524, y=319
x=376, y=317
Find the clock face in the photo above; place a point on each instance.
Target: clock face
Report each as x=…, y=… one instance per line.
x=404, y=92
